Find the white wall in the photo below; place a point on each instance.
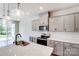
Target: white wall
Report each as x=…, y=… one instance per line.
x=25, y=28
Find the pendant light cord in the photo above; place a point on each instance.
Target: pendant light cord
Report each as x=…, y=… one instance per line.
x=3, y=9
x=8, y=10
x=18, y=5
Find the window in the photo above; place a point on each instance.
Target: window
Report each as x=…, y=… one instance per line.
x=7, y=32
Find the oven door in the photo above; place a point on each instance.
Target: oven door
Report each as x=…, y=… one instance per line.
x=42, y=41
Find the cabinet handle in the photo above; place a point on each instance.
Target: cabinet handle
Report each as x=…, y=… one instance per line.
x=64, y=47
x=65, y=29
x=55, y=29
x=76, y=29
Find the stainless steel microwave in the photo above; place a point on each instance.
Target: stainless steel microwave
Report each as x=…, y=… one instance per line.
x=43, y=28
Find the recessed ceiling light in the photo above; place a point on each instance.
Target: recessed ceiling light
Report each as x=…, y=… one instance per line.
x=41, y=7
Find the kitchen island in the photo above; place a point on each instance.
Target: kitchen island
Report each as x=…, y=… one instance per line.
x=31, y=49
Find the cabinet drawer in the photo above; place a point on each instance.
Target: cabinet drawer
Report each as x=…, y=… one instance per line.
x=71, y=49
x=50, y=43
x=58, y=42
x=66, y=44
x=71, y=45
x=75, y=45
x=74, y=51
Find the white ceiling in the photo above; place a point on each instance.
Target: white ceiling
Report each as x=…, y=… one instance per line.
x=33, y=8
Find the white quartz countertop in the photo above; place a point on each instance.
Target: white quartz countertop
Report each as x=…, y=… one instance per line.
x=72, y=37
x=30, y=50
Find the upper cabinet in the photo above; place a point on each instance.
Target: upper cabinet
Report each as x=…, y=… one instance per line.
x=56, y=24
x=41, y=21
x=35, y=25
x=62, y=23
x=77, y=22
x=53, y=24
x=69, y=23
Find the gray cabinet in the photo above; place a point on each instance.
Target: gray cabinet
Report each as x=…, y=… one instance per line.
x=57, y=45
x=62, y=23
x=71, y=49
x=64, y=48
x=58, y=48
x=50, y=43
x=56, y=24
x=77, y=22
x=69, y=23
x=33, y=39
x=53, y=24
x=67, y=49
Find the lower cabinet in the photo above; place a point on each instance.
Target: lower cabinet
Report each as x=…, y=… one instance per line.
x=61, y=48
x=64, y=48
x=67, y=49
x=71, y=49
x=50, y=43
x=33, y=39
x=58, y=48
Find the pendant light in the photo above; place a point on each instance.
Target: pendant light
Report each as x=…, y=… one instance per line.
x=8, y=16
x=17, y=13
x=3, y=11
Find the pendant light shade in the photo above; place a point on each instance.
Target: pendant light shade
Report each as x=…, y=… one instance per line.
x=4, y=16
x=17, y=13
x=7, y=17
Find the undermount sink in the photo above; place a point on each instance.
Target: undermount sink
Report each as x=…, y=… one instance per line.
x=22, y=43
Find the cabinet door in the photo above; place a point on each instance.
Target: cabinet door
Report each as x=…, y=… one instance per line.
x=53, y=24
x=69, y=23
x=71, y=49
x=34, y=39
x=58, y=49
x=74, y=51
x=50, y=43
x=31, y=39
x=77, y=22
x=67, y=49
x=60, y=24
x=43, y=19
x=35, y=25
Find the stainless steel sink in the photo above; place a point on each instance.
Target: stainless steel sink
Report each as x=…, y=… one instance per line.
x=22, y=43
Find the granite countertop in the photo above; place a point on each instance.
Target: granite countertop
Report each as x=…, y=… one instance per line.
x=30, y=50
x=72, y=37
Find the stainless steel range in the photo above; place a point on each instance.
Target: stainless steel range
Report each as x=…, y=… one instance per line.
x=43, y=39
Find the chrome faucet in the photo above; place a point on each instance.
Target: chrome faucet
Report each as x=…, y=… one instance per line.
x=16, y=38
